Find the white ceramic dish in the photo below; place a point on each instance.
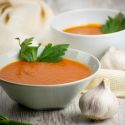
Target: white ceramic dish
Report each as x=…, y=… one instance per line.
x=94, y=44
x=48, y=96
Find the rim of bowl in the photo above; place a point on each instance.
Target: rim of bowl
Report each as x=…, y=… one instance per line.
x=63, y=84
x=88, y=9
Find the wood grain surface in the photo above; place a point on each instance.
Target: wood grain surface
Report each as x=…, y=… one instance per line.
x=71, y=115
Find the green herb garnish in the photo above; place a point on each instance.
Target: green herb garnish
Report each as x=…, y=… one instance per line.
x=114, y=24
x=27, y=52
x=6, y=121
x=51, y=53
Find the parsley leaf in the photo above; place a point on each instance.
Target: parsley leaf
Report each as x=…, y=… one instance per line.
x=6, y=121
x=114, y=24
x=27, y=52
x=51, y=53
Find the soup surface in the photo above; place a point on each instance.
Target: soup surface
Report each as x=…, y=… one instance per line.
x=90, y=29
x=42, y=73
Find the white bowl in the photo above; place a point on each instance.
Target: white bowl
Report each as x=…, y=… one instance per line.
x=48, y=96
x=94, y=44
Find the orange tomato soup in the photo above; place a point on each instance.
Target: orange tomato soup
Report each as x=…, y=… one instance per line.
x=42, y=73
x=90, y=29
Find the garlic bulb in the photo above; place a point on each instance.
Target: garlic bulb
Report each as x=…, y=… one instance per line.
x=99, y=103
x=113, y=59
x=28, y=17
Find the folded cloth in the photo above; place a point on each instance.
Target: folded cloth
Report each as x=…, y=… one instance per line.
x=117, y=81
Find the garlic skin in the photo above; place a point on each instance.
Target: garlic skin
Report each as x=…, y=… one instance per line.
x=113, y=59
x=99, y=103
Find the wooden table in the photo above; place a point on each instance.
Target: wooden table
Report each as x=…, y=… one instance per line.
x=68, y=116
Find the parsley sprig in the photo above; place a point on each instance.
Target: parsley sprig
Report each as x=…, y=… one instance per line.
x=6, y=121
x=114, y=24
x=51, y=53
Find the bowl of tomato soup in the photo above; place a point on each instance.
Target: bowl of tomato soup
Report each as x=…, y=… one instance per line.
x=42, y=85
x=82, y=30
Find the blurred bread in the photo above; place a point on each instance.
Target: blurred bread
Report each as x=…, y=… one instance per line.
x=24, y=18
x=7, y=42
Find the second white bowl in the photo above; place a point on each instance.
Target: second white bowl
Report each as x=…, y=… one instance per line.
x=94, y=44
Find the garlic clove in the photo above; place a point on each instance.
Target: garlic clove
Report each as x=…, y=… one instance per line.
x=99, y=103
